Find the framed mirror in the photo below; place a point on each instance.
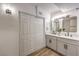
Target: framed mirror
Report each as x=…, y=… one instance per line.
x=65, y=24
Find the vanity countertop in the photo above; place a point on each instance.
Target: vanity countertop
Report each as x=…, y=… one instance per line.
x=62, y=36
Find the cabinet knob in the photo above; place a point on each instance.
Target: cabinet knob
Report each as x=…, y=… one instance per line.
x=50, y=41
x=66, y=46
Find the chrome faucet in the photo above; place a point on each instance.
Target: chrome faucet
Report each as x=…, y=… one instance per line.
x=67, y=33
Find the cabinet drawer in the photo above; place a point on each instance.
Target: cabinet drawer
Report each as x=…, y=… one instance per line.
x=50, y=37
x=70, y=41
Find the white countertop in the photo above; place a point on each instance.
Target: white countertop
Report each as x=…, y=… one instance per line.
x=62, y=36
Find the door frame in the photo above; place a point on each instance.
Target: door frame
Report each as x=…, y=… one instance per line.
x=19, y=15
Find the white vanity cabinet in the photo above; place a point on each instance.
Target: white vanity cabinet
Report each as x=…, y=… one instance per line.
x=51, y=42
x=65, y=46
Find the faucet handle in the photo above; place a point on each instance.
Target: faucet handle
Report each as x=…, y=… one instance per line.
x=65, y=34
x=71, y=35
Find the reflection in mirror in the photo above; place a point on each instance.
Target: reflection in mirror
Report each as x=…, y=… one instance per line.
x=64, y=24
x=57, y=25
x=70, y=24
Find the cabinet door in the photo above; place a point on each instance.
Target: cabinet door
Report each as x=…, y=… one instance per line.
x=53, y=43
x=48, y=41
x=71, y=50
x=61, y=47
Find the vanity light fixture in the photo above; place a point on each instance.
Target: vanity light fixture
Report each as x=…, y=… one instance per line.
x=8, y=9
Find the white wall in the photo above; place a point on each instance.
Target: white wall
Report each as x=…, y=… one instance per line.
x=9, y=34
x=9, y=28
x=47, y=24
x=46, y=15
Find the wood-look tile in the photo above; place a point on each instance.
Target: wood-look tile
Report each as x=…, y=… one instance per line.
x=45, y=52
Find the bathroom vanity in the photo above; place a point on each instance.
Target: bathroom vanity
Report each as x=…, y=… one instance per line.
x=68, y=46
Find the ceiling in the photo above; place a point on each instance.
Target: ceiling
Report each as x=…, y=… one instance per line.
x=58, y=7
x=53, y=8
